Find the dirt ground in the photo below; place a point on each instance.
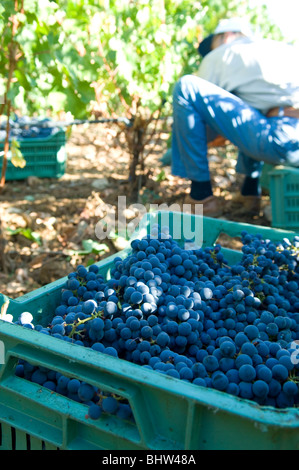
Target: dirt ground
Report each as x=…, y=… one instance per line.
x=61, y=215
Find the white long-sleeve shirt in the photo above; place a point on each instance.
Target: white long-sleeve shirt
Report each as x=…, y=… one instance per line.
x=263, y=73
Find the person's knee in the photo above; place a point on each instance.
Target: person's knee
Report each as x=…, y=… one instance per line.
x=292, y=158
x=188, y=81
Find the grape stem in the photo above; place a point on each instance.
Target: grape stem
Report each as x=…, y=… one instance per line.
x=82, y=321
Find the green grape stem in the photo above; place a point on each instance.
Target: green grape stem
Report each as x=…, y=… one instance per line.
x=84, y=320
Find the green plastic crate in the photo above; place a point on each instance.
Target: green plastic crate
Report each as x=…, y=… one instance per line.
x=284, y=194
x=169, y=414
x=45, y=158
x=265, y=177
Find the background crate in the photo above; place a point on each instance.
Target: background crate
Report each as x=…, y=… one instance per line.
x=284, y=193
x=169, y=414
x=45, y=158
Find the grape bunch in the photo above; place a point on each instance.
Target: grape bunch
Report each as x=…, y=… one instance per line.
x=98, y=401
x=190, y=315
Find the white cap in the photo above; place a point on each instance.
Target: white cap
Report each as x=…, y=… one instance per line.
x=236, y=25
x=233, y=25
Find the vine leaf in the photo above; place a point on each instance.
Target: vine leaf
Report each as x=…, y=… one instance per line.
x=17, y=158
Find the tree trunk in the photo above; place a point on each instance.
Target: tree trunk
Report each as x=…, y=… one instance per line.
x=3, y=265
x=137, y=147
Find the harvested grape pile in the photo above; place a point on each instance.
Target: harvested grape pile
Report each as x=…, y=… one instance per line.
x=187, y=314
x=20, y=132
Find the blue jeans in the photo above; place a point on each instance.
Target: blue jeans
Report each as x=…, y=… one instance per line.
x=201, y=110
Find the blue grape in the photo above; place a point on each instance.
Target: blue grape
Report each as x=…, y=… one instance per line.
x=25, y=317
x=110, y=405
x=97, y=324
x=286, y=361
x=19, y=371
x=199, y=370
x=243, y=359
x=184, y=329
x=226, y=364
x=228, y=349
x=260, y=389
x=39, y=377
x=219, y=380
x=211, y=363
x=136, y=297
x=58, y=328
x=63, y=381
x=86, y=392
x=284, y=401
x=199, y=381
x=94, y=411
x=240, y=339
x=280, y=372
x=146, y=332
x=290, y=388
x=264, y=373
x=124, y=411
x=245, y=390
x=163, y=339
x=186, y=373
x=111, y=351
x=233, y=389
x=176, y=260
x=247, y=373
x=73, y=385
x=251, y=331
x=50, y=384
x=73, y=284
x=272, y=329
